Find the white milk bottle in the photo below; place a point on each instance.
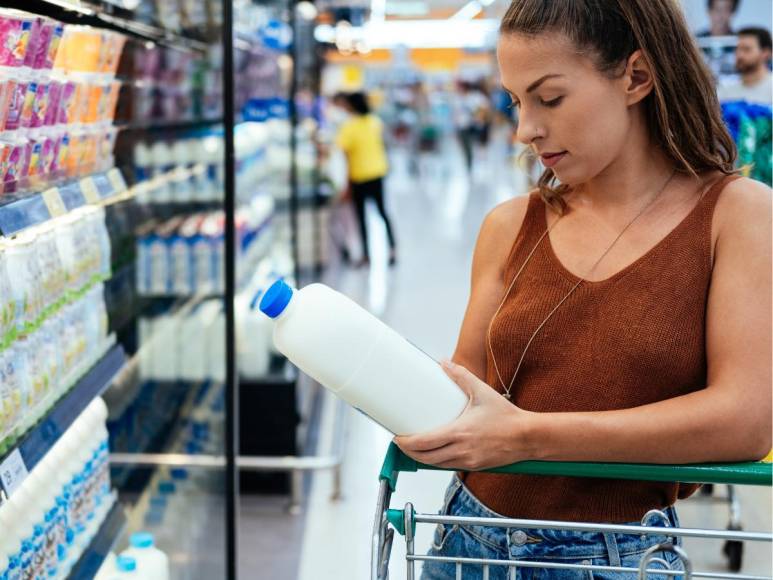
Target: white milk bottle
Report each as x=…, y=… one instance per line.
x=152, y=563
x=108, y=567
x=362, y=360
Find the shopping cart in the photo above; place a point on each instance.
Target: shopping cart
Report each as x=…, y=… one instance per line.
x=404, y=521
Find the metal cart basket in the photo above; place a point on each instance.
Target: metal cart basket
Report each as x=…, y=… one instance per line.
x=404, y=521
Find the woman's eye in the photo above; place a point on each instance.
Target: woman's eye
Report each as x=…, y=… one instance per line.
x=514, y=104
x=552, y=103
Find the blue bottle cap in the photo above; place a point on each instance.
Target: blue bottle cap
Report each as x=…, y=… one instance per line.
x=276, y=299
x=141, y=540
x=126, y=564
x=166, y=487
x=178, y=473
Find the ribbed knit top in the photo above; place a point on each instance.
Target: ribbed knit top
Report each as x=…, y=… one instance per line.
x=635, y=338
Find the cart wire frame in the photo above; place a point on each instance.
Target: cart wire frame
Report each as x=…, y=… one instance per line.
x=403, y=521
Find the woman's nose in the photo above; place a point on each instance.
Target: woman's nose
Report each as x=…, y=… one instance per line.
x=528, y=130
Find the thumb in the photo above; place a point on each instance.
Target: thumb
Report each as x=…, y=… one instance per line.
x=468, y=382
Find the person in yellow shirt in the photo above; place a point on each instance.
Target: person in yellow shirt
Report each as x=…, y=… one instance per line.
x=361, y=138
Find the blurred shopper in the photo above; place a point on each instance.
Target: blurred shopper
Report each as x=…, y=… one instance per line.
x=362, y=140
x=471, y=111
x=343, y=229
x=621, y=311
x=752, y=61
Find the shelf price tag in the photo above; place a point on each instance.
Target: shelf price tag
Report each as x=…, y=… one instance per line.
x=13, y=472
x=116, y=180
x=90, y=191
x=54, y=202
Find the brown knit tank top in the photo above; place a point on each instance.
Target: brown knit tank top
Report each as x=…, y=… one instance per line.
x=635, y=338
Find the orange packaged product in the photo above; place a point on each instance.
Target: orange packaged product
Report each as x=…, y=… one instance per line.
x=93, y=101
x=74, y=154
x=79, y=50
x=90, y=151
x=79, y=103
x=112, y=47
x=112, y=101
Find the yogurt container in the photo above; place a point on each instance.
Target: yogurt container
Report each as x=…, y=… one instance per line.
x=15, y=34
x=33, y=42
x=7, y=90
x=54, y=100
x=17, y=99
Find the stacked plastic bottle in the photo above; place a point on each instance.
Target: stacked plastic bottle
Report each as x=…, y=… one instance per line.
x=262, y=150
x=50, y=520
x=142, y=560
x=53, y=319
x=175, y=509
x=58, y=96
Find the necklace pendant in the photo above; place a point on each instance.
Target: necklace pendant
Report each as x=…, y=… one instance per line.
x=506, y=396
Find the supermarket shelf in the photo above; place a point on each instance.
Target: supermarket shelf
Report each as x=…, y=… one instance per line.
x=33, y=446
x=103, y=542
x=161, y=125
x=20, y=212
x=104, y=15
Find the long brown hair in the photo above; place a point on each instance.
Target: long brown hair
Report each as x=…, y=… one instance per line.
x=682, y=110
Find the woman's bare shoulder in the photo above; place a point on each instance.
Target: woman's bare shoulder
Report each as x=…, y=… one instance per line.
x=744, y=195
x=743, y=212
x=743, y=204
x=507, y=217
x=500, y=228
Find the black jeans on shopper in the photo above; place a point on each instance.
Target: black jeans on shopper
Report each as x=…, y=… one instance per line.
x=361, y=192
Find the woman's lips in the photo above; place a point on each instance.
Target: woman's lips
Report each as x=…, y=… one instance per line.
x=550, y=159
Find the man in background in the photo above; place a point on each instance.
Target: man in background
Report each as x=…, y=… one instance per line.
x=752, y=58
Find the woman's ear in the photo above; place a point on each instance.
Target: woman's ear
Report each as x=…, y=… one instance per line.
x=638, y=78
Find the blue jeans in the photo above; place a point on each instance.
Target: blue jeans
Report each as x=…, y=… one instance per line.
x=530, y=545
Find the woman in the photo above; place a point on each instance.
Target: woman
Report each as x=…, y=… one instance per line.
x=624, y=308
x=361, y=139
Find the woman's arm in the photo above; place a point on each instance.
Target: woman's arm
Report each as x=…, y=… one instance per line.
x=496, y=237
x=729, y=420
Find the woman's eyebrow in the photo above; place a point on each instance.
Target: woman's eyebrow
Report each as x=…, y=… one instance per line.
x=533, y=86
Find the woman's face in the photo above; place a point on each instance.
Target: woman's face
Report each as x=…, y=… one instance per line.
x=571, y=115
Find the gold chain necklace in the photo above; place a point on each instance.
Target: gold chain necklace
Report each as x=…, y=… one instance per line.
x=508, y=388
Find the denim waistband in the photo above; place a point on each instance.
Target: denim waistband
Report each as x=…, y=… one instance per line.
x=547, y=543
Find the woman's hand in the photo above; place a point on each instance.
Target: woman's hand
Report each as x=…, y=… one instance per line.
x=345, y=195
x=491, y=431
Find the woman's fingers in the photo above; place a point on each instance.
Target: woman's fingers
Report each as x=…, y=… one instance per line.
x=426, y=441
x=445, y=456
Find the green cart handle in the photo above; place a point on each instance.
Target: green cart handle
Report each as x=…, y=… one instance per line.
x=753, y=473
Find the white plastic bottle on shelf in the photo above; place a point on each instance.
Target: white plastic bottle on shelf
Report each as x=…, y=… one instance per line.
x=152, y=563
x=212, y=155
x=143, y=161
x=108, y=568
x=7, y=303
x=361, y=359
x=253, y=333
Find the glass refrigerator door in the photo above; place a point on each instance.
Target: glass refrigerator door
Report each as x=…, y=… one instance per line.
x=167, y=411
